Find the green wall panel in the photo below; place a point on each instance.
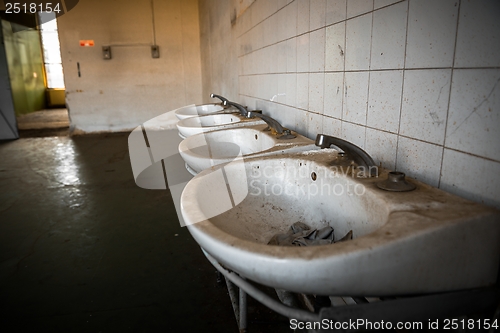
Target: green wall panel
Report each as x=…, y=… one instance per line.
x=25, y=62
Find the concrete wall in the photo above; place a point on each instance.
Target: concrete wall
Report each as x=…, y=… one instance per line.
x=219, y=49
x=122, y=93
x=415, y=83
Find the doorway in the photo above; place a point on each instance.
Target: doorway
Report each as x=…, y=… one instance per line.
x=36, y=77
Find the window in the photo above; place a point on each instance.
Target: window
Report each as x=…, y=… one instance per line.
x=51, y=50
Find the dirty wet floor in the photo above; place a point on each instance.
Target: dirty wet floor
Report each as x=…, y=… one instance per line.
x=83, y=249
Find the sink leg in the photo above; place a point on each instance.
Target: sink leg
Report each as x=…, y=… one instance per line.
x=243, y=311
x=220, y=278
x=239, y=301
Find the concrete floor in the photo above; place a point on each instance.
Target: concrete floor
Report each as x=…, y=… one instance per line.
x=50, y=118
x=83, y=249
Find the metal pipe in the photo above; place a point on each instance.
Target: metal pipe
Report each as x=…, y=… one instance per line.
x=231, y=289
x=243, y=310
x=251, y=290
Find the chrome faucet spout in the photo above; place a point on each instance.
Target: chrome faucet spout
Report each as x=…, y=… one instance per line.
x=219, y=97
x=240, y=107
x=359, y=156
x=273, y=124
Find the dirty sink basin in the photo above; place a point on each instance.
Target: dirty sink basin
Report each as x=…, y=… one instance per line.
x=421, y=241
x=189, y=111
x=205, y=150
x=195, y=125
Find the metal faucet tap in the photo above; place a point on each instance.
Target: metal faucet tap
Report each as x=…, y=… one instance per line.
x=240, y=107
x=273, y=124
x=357, y=154
x=223, y=99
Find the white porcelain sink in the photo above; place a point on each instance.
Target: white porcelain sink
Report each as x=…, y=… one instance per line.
x=404, y=243
x=189, y=111
x=205, y=150
x=195, y=125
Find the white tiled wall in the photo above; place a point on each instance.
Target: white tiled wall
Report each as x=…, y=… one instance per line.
x=415, y=83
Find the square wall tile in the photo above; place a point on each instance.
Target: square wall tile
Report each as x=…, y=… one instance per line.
x=354, y=133
x=389, y=37
x=274, y=58
x=252, y=86
x=384, y=100
x=478, y=34
x=432, y=27
x=425, y=104
x=382, y=3
x=281, y=57
x=334, y=47
x=334, y=92
x=316, y=92
x=272, y=88
x=270, y=7
x=243, y=82
x=358, y=43
x=302, y=16
x=264, y=61
x=382, y=147
x=241, y=66
x=317, y=11
x=281, y=4
x=335, y=11
x=269, y=36
x=301, y=122
x=460, y=175
x=317, y=51
x=332, y=127
x=281, y=96
x=288, y=116
x=474, y=116
x=247, y=63
x=257, y=12
x=280, y=25
x=291, y=20
x=419, y=160
x=358, y=7
x=315, y=125
x=303, y=53
x=264, y=106
x=291, y=89
x=302, y=91
x=355, y=97
x=259, y=88
x=291, y=55
x=266, y=87
x=254, y=35
x=247, y=101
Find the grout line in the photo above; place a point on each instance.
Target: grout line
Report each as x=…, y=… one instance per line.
x=343, y=76
x=402, y=87
x=378, y=129
x=449, y=96
x=369, y=74
x=382, y=70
